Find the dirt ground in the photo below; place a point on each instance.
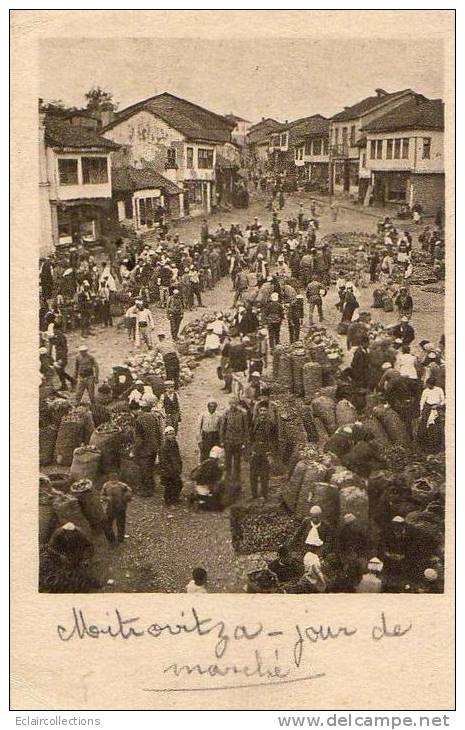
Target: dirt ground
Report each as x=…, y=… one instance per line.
x=165, y=544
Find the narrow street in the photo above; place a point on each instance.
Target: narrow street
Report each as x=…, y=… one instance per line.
x=164, y=545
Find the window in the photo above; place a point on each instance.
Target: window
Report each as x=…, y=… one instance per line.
x=128, y=208
x=68, y=171
x=317, y=146
x=352, y=135
x=308, y=147
x=397, y=149
x=389, y=148
x=336, y=135
x=426, y=148
x=372, y=149
x=170, y=158
x=364, y=159
x=296, y=154
x=94, y=170
x=405, y=145
x=205, y=158
x=338, y=173
x=283, y=140
x=325, y=146
x=142, y=216
x=190, y=157
x=379, y=149
x=194, y=192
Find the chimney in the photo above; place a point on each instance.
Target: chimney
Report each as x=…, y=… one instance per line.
x=263, y=119
x=346, y=107
x=380, y=93
x=106, y=117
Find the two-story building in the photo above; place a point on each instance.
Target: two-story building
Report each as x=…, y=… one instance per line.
x=176, y=138
x=74, y=182
x=405, y=154
x=348, y=173
x=258, y=144
x=240, y=130
x=310, y=141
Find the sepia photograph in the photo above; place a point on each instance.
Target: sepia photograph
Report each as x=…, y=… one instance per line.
x=233, y=365
x=242, y=350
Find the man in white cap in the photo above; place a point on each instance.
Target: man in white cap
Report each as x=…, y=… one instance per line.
x=209, y=429
x=312, y=528
x=234, y=434
x=404, y=331
x=86, y=374
x=315, y=291
x=175, y=312
x=273, y=315
x=370, y=581
x=170, y=468
x=144, y=324
x=168, y=351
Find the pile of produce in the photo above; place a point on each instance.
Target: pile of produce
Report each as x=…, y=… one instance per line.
x=259, y=526
x=150, y=363
x=351, y=239
x=192, y=338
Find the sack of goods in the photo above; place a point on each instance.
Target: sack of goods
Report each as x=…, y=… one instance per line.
x=259, y=527
x=89, y=501
x=324, y=408
x=85, y=464
x=354, y=500
x=107, y=439
x=47, y=517
x=312, y=375
x=47, y=441
x=392, y=424
x=68, y=509
x=345, y=413
x=314, y=474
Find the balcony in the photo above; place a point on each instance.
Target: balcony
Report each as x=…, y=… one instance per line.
x=339, y=150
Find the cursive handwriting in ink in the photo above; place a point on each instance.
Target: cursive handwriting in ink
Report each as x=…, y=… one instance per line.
x=258, y=669
x=315, y=634
x=80, y=628
x=380, y=632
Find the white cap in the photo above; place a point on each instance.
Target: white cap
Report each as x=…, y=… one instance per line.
x=216, y=452
x=349, y=518
x=256, y=374
x=314, y=542
x=274, y=297
x=316, y=510
x=398, y=519
x=169, y=429
x=43, y=350
x=83, y=348
x=375, y=564
x=430, y=574
x=386, y=366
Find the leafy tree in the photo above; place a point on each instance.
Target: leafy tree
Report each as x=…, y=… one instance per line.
x=100, y=100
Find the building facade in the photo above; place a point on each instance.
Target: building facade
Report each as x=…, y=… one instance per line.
x=75, y=183
x=177, y=139
x=405, y=155
x=311, y=152
x=348, y=172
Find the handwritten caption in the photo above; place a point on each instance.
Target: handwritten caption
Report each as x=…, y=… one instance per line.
x=274, y=655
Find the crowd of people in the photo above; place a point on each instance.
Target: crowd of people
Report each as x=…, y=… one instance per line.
x=280, y=275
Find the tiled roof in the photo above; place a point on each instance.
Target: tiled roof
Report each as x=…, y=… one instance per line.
x=234, y=118
x=417, y=113
x=366, y=105
x=130, y=179
x=195, y=122
x=65, y=135
x=316, y=125
x=260, y=132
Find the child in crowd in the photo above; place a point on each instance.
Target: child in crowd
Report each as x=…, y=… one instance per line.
x=198, y=584
x=116, y=495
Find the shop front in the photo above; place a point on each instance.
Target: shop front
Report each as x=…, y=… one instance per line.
x=197, y=197
x=76, y=220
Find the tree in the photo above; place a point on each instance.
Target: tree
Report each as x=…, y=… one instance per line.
x=100, y=100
